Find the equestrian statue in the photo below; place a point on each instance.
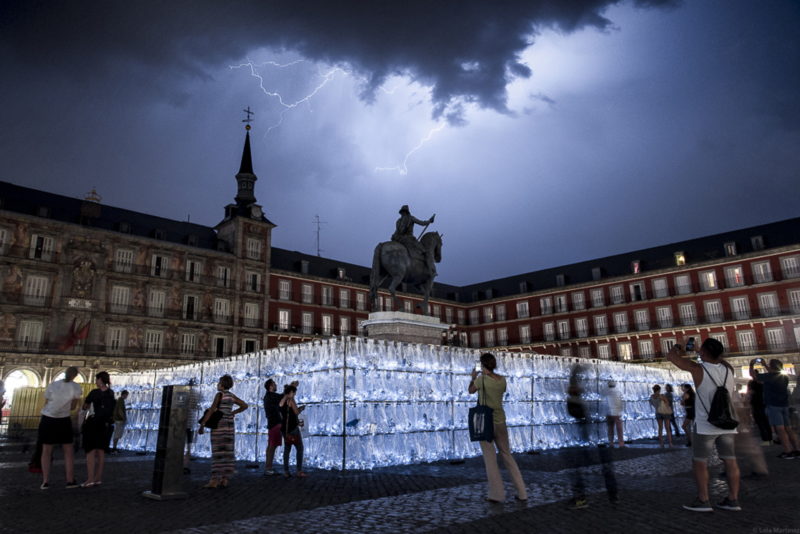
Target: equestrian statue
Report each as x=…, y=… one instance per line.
x=406, y=259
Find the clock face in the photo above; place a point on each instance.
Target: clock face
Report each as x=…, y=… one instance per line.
x=256, y=211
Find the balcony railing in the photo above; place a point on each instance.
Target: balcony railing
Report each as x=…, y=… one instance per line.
x=101, y=350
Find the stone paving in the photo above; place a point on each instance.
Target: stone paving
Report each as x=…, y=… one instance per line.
x=439, y=497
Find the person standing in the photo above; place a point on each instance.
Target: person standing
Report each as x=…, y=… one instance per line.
x=55, y=427
x=490, y=387
x=97, y=428
x=687, y=400
x=614, y=411
x=670, y=395
x=120, y=418
x=776, y=400
x=663, y=410
x=711, y=372
x=272, y=410
x=755, y=393
x=2, y=399
x=291, y=430
x=223, y=437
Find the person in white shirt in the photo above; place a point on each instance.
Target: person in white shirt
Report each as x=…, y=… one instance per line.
x=712, y=372
x=55, y=427
x=614, y=414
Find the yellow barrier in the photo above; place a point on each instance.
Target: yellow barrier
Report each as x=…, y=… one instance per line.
x=27, y=404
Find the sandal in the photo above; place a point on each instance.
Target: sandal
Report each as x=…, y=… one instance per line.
x=87, y=484
x=212, y=484
x=301, y=474
x=223, y=484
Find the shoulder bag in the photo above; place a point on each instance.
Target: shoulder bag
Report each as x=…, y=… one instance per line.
x=481, y=419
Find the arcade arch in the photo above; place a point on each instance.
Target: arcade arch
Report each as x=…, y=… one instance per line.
x=20, y=378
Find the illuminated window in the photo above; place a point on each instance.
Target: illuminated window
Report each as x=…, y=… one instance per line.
x=680, y=259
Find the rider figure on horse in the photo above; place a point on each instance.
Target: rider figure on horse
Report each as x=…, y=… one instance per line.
x=404, y=234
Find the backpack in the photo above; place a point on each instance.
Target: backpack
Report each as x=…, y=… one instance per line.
x=721, y=412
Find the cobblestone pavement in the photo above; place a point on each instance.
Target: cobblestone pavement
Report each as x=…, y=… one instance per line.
x=439, y=497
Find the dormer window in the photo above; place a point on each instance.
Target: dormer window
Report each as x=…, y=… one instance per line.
x=636, y=267
x=597, y=273
x=158, y=233
x=340, y=273
x=304, y=266
x=124, y=227
x=560, y=280
x=43, y=211
x=730, y=249
x=523, y=287
x=680, y=258
x=758, y=242
x=191, y=240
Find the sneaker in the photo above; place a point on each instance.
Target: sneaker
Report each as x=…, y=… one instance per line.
x=796, y=454
x=73, y=484
x=786, y=456
x=729, y=504
x=699, y=506
x=578, y=503
x=44, y=486
x=269, y=473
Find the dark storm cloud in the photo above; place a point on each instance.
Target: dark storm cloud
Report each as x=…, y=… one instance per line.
x=466, y=51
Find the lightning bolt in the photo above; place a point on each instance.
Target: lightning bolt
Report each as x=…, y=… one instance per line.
x=402, y=169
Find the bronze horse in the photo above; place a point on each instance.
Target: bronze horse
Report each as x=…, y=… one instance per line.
x=392, y=259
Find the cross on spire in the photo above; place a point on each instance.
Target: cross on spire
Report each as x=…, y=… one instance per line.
x=249, y=118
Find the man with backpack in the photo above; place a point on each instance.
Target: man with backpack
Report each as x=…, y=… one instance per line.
x=715, y=421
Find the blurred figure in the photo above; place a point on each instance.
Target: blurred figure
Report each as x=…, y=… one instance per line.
x=614, y=409
x=2, y=399
x=490, y=388
x=120, y=418
x=794, y=405
x=776, y=399
x=670, y=395
x=748, y=452
x=97, y=428
x=687, y=400
x=711, y=372
x=55, y=427
x=663, y=410
x=291, y=430
x=223, y=437
x=193, y=402
x=755, y=396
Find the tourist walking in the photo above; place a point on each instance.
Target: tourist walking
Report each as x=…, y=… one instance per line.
x=223, y=437
x=98, y=426
x=490, y=387
x=711, y=372
x=776, y=400
x=120, y=418
x=669, y=393
x=755, y=394
x=55, y=427
x=614, y=409
x=290, y=429
x=663, y=410
x=687, y=401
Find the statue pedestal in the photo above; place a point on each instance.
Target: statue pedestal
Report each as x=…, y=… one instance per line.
x=405, y=327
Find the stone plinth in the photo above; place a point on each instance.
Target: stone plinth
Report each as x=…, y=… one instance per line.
x=405, y=327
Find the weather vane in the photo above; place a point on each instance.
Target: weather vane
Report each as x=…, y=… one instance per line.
x=249, y=119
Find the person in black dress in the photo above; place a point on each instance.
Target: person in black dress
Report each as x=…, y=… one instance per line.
x=291, y=430
x=687, y=400
x=97, y=428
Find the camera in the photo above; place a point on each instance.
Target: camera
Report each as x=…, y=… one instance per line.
x=690, y=344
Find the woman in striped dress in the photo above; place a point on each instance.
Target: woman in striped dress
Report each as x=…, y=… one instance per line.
x=222, y=437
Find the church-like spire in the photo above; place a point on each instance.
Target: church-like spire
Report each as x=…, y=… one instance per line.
x=246, y=179
x=247, y=160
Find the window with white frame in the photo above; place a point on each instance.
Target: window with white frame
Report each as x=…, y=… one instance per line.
x=188, y=343
x=249, y=345
x=561, y=303
x=156, y=302
x=768, y=304
x=625, y=350
x=153, y=341
x=638, y=291
x=327, y=296
x=683, y=284
x=159, y=265
x=522, y=309
x=598, y=299
x=585, y=351
x=253, y=248
x=524, y=333
x=327, y=325
x=251, y=314
x=448, y=315
x=119, y=299
x=762, y=272
x=437, y=310
x=600, y=325
x=223, y=276
x=123, y=260
x=730, y=248
x=604, y=351
x=408, y=306
x=308, y=323
x=713, y=309
x=578, y=301
x=222, y=310
x=284, y=289
x=473, y=316
x=621, y=322
x=500, y=312
x=746, y=339
x=666, y=344
x=361, y=301
x=708, y=280
x=734, y=276
x=565, y=351
x=220, y=346
x=687, y=313
x=660, y=288
x=115, y=339
x=546, y=305
x=488, y=337
x=41, y=247
x=617, y=295
x=190, y=307
x=488, y=314
x=30, y=334
x=722, y=337
x=642, y=319
x=664, y=316
x=549, y=330
x=194, y=269
x=796, y=336
x=252, y=282
x=462, y=319
x=283, y=320
x=475, y=339
x=740, y=308
x=308, y=293
x=757, y=242
x=646, y=349
x=344, y=326
x=563, y=330
x=582, y=327
x=37, y=289
x=790, y=266
x=794, y=300
x=344, y=298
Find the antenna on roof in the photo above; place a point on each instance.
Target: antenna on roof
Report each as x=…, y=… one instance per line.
x=318, y=224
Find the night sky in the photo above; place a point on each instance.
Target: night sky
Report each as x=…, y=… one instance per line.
x=540, y=132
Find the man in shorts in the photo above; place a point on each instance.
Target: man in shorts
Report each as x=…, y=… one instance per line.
x=776, y=401
x=55, y=427
x=712, y=369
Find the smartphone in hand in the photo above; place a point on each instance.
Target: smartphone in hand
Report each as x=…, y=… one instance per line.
x=690, y=344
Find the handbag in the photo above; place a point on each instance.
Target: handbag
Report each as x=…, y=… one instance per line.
x=291, y=438
x=213, y=420
x=481, y=421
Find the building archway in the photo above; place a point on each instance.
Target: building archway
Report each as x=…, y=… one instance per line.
x=19, y=378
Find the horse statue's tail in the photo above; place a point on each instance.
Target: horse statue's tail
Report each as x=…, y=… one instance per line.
x=375, y=277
